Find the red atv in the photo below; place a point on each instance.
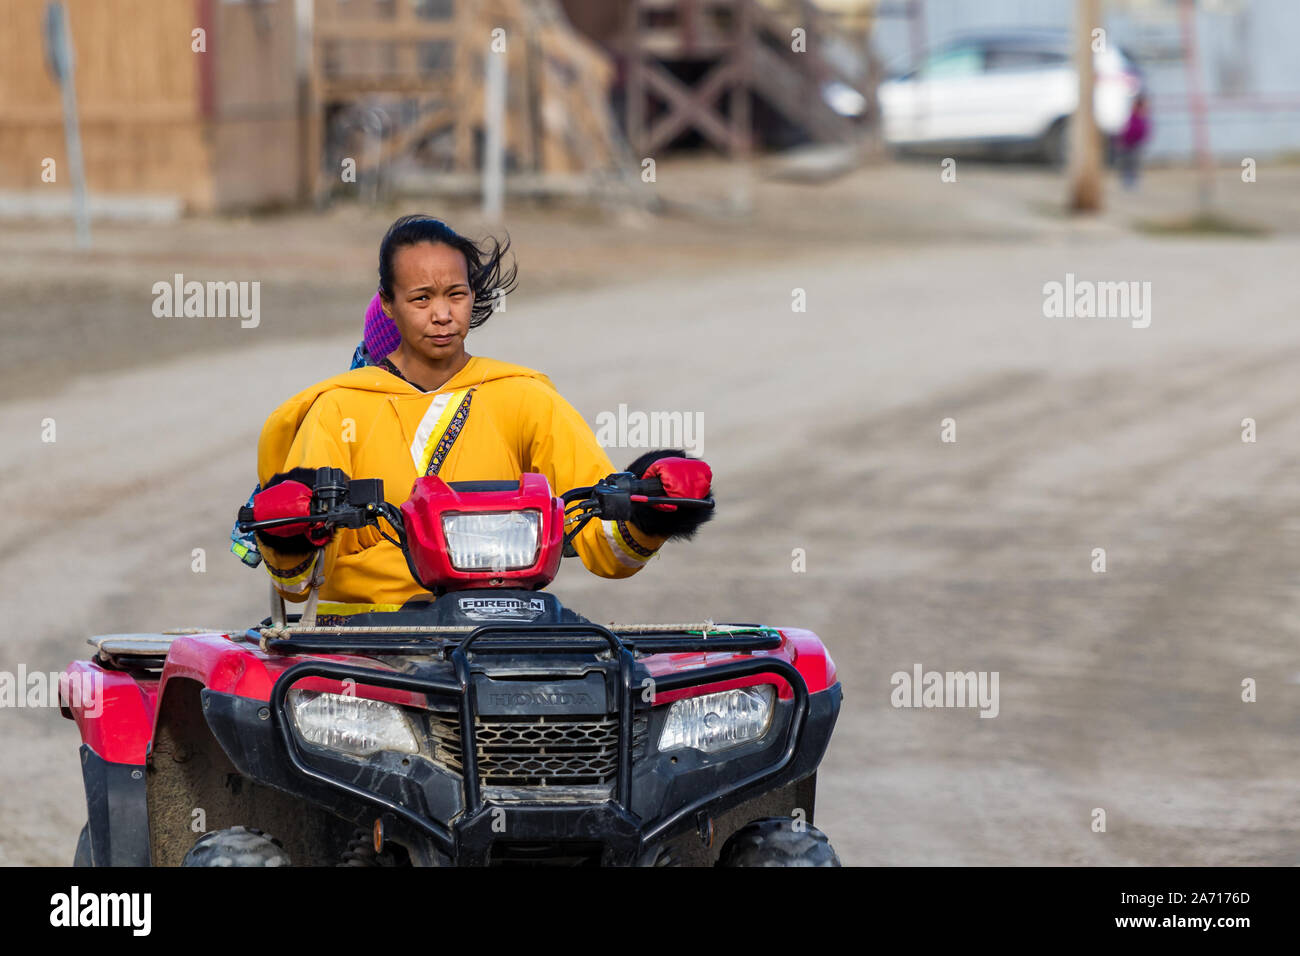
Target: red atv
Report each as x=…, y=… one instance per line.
x=490, y=725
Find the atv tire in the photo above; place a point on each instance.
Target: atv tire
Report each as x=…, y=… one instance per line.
x=776, y=842
x=82, y=856
x=237, y=846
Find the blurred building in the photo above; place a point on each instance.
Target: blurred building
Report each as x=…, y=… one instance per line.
x=159, y=122
x=212, y=105
x=734, y=75
x=231, y=104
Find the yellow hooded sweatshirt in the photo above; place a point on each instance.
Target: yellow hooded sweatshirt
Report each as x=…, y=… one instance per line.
x=491, y=421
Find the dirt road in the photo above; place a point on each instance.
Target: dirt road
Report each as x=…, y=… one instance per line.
x=1118, y=690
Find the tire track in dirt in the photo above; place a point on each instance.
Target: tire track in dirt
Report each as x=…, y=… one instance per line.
x=966, y=556
x=1107, y=679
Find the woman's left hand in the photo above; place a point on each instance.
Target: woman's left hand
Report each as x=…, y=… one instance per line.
x=681, y=478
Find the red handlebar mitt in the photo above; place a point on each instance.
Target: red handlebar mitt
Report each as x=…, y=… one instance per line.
x=289, y=499
x=681, y=478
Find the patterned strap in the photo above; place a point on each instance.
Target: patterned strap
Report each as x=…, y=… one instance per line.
x=449, y=436
x=439, y=429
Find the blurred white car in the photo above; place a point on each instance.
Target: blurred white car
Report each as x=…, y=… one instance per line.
x=1013, y=90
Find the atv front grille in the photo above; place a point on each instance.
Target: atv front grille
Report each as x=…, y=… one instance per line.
x=536, y=750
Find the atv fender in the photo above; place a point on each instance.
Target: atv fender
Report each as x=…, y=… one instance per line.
x=115, y=717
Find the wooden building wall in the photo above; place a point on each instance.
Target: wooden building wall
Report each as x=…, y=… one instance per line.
x=254, y=121
x=219, y=129
x=137, y=89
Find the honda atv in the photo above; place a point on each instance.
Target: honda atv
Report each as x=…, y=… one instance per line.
x=481, y=724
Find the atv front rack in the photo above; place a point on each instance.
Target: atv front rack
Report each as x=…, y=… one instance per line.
x=639, y=638
x=469, y=836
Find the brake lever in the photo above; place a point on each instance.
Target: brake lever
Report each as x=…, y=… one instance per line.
x=336, y=501
x=614, y=496
x=704, y=504
x=338, y=518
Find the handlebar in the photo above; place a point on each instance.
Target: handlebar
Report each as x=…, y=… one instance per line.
x=340, y=502
x=612, y=498
x=622, y=486
x=336, y=501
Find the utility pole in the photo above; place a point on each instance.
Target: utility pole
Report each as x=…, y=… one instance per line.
x=1085, y=138
x=494, y=135
x=307, y=78
x=1196, y=100
x=61, y=59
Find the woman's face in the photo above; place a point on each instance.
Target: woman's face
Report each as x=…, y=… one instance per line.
x=432, y=300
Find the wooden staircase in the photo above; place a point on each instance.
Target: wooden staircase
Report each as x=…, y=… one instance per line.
x=403, y=80
x=739, y=51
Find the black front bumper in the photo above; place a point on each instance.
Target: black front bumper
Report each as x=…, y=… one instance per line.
x=440, y=814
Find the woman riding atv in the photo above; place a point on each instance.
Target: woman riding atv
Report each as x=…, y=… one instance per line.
x=431, y=408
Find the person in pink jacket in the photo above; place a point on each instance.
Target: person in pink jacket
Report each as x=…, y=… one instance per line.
x=1129, y=140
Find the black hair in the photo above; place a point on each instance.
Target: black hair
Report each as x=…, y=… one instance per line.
x=489, y=275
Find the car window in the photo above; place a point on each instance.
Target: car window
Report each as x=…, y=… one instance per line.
x=1012, y=60
x=960, y=61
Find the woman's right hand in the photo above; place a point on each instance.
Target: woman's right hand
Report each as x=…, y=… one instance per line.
x=289, y=499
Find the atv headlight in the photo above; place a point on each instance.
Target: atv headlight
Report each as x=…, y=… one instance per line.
x=492, y=541
x=715, y=722
x=353, y=725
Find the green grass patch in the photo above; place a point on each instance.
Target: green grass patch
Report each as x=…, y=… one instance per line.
x=1202, y=224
